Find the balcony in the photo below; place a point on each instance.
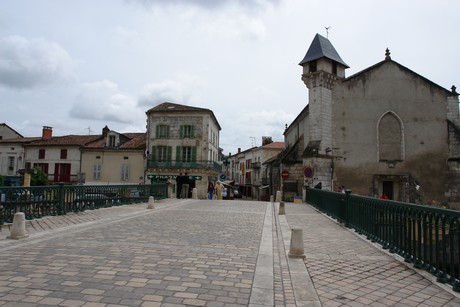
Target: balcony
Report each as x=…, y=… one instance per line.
x=210, y=165
x=255, y=165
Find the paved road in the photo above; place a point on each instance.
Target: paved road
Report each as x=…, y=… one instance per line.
x=204, y=253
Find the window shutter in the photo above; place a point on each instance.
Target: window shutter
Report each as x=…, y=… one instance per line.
x=169, y=157
x=178, y=154
x=192, y=131
x=157, y=131
x=153, y=152
x=181, y=132
x=194, y=154
x=167, y=132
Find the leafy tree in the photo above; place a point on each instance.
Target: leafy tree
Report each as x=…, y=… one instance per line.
x=38, y=177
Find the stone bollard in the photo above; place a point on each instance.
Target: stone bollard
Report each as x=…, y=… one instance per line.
x=194, y=193
x=18, y=229
x=151, y=202
x=278, y=196
x=296, y=250
x=272, y=199
x=282, y=210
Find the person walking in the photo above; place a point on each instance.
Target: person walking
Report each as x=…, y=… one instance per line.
x=210, y=190
x=219, y=188
x=185, y=186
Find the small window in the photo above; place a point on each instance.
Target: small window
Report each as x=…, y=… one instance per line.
x=63, y=153
x=162, y=132
x=334, y=68
x=97, y=170
x=98, y=157
x=187, y=131
x=312, y=66
x=41, y=154
x=125, y=158
x=125, y=172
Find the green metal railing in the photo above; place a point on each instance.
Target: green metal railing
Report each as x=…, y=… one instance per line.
x=37, y=202
x=428, y=237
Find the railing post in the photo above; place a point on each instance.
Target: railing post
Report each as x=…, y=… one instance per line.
x=347, y=207
x=60, y=209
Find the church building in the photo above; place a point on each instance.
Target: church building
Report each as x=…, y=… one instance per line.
x=385, y=129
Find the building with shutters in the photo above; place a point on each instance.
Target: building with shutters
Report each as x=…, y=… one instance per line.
x=182, y=139
x=385, y=129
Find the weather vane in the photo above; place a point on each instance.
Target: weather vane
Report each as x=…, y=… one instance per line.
x=327, y=31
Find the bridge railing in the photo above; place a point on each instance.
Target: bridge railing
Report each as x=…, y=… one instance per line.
x=426, y=236
x=41, y=201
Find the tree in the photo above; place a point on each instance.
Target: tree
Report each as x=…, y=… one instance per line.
x=38, y=177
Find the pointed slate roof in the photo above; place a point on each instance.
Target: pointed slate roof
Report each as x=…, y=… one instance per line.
x=321, y=47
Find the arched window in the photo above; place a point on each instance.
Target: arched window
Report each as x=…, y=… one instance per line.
x=390, y=138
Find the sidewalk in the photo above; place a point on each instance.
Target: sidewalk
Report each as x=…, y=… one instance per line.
x=204, y=253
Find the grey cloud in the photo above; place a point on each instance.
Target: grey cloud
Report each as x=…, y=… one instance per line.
x=27, y=63
x=104, y=101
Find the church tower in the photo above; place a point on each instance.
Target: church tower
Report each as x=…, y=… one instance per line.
x=322, y=66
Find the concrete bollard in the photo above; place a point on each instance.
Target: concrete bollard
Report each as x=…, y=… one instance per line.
x=18, y=229
x=282, y=210
x=296, y=249
x=194, y=193
x=272, y=199
x=151, y=203
x=278, y=196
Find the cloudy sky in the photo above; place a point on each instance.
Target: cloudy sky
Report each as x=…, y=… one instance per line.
x=78, y=65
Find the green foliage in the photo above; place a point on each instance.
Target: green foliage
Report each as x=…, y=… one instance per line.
x=38, y=177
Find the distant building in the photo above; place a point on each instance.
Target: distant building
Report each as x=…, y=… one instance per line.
x=57, y=156
x=384, y=129
x=182, y=139
x=114, y=158
x=249, y=171
x=6, y=132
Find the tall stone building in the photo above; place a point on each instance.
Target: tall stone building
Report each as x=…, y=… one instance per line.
x=182, y=139
x=385, y=129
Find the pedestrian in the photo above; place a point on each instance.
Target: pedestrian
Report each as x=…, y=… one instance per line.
x=210, y=190
x=179, y=183
x=185, y=186
x=219, y=188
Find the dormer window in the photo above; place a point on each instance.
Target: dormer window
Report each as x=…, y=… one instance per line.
x=111, y=141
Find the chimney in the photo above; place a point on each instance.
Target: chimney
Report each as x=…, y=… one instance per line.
x=239, y=149
x=105, y=131
x=47, y=132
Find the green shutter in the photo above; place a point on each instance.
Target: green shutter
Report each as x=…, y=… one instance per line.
x=181, y=132
x=157, y=131
x=192, y=131
x=169, y=157
x=194, y=154
x=178, y=154
x=167, y=132
x=154, y=151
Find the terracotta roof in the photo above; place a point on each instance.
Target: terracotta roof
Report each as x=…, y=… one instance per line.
x=138, y=141
x=174, y=107
x=20, y=140
x=67, y=140
x=275, y=145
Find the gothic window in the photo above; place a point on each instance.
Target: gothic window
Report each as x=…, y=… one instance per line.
x=390, y=138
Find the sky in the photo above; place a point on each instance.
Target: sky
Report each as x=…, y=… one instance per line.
x=79, y=65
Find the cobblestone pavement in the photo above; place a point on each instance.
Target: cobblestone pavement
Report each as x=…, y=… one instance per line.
x=203, y=253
